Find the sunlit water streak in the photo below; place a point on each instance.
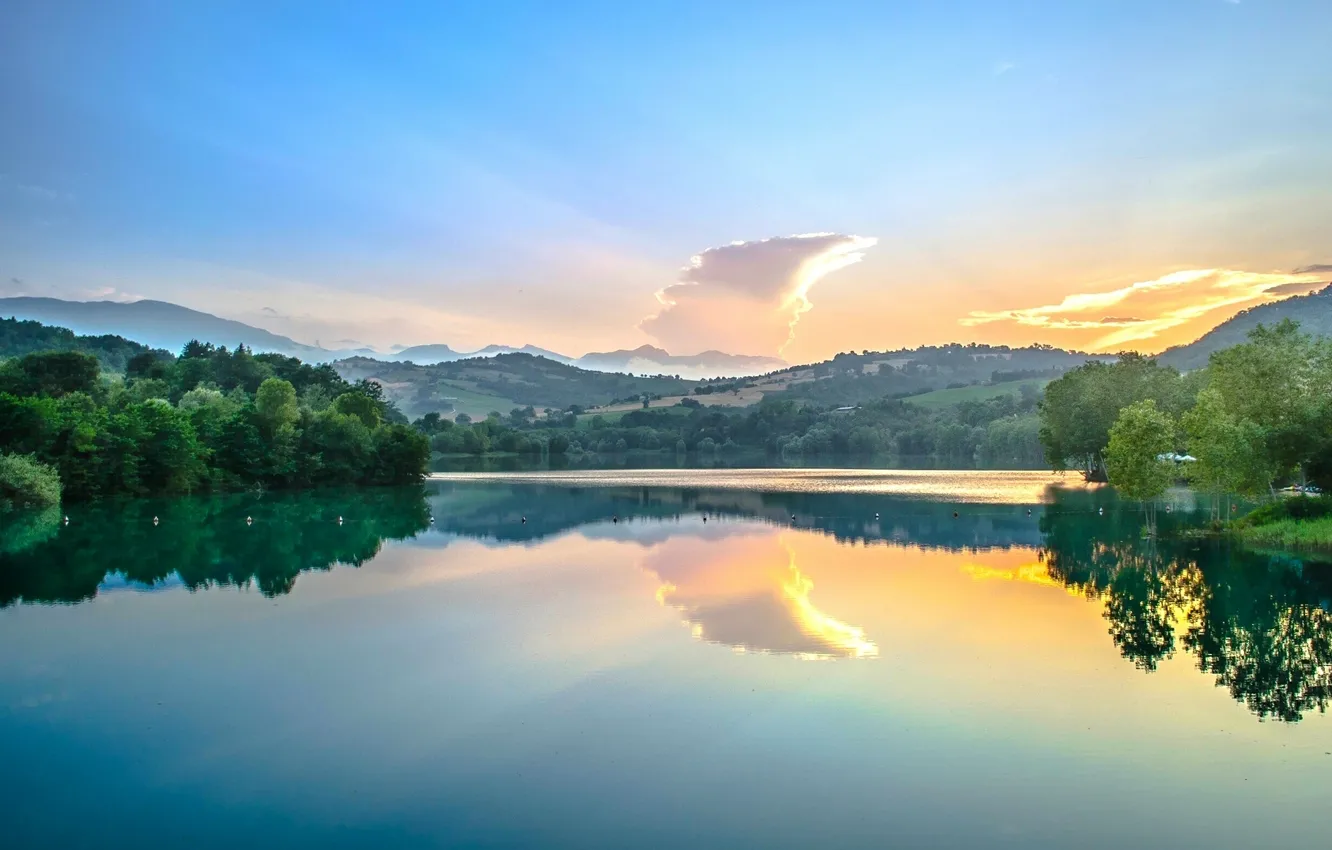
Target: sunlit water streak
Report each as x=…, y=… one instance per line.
x=1012, y=487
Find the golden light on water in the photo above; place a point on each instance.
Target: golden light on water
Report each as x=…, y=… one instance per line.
x=851, y=640
x=1035, y=573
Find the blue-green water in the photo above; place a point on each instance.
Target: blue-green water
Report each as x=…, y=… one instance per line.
x=915, y=660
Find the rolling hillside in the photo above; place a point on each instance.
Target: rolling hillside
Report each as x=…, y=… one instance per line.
x=503, y=382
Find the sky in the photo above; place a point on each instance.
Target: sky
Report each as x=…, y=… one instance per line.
x=769, y=178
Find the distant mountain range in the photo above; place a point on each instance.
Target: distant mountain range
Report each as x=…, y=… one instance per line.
x=160, y=324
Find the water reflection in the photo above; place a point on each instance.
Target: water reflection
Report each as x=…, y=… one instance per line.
x=1259, y=623
x=200, y=542
x=749, y=577
x=747, y=591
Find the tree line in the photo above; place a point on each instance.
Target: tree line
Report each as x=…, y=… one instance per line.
x=1258, y=415
x=211, y=419
x=1001, y=430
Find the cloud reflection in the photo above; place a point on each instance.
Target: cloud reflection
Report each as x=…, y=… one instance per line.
x=748, y=592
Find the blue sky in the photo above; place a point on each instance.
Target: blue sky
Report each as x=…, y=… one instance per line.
x=538, y=172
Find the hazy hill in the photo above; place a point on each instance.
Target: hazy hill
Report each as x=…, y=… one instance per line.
x=650, y=360
x=157, y=324
x=1313, y=312
x=479, y=385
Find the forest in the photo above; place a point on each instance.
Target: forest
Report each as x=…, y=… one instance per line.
x=211, y=419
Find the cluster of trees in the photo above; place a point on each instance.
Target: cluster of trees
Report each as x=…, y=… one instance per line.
x=1004, y=429
x=211, y=419
x=1260, y=413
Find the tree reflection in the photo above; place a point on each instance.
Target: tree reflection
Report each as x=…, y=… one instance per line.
x=203, y=542
x=1259, y=623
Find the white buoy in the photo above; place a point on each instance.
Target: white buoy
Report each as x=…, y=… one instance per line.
x=249, y=520
x=876, y=516
x=339, y=520
x=432, y=520
x=154, y=520
x=66, y=520
x=524, y=520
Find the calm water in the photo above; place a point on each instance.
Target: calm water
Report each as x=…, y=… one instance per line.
x=988, y=662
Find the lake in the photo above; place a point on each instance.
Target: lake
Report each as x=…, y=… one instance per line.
x=660, y=658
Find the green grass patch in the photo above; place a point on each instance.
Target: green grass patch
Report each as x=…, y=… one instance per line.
x=475, y=404
x=1290, y=533
x=979, y=392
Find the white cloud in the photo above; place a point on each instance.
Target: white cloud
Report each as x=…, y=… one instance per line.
x=748, y=297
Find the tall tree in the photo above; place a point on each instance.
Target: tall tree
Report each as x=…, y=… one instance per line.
x=1139, y=437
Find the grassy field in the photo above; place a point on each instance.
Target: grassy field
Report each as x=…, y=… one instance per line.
x=980, y=392
x=476, y=404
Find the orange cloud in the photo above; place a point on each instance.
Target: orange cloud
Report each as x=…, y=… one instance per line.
x=1155, y=306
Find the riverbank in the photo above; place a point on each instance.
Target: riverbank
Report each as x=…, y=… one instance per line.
x=1302, y=522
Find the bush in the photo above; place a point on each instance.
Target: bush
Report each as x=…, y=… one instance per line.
x=1296, y=507
x=26, y=483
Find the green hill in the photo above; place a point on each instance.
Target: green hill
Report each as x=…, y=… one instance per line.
x=1313, y=312
x=503, y=382
x=19, y=337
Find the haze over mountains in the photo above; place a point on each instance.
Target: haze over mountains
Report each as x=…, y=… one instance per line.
x=160, y=324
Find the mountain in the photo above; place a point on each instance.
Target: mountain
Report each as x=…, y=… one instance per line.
x=650, y=360
x=158, y=324
x=533, y=350
x=1313, y=312
x=423, y=355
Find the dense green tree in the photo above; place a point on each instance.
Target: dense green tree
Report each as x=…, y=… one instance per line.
x=1230, y=451
x=1140, y=435
x=360, y=405
x=27, y=483
x=1280, y=380
x=53, y=374
x=1080, y=408
x=275, y=402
